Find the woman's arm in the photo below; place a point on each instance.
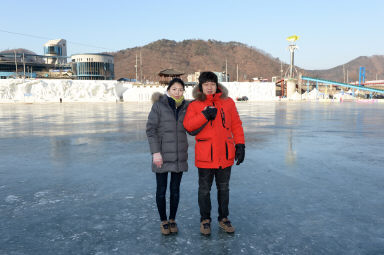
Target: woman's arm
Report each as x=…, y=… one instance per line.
x=152, y=129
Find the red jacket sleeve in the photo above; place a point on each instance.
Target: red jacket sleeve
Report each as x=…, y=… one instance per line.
x=236, y=124
x=193, y=119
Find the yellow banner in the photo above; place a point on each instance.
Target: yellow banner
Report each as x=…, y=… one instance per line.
x=292, y=38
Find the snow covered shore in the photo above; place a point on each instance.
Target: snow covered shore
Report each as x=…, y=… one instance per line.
x=51, y=90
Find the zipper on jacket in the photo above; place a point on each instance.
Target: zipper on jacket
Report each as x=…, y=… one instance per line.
x=226, y=150
x=177, y=145
x=213, y=103
x=211, y=153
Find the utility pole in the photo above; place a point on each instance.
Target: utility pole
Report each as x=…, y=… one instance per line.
x=136, y=68
x=281, y=70
x=141, y=68
x=347, y=77
x=15, y=63
x=344, y=73
x=24, y=64
x=226, y=70
x=237, y=72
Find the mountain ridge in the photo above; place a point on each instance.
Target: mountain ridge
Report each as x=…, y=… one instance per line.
x=199, y=55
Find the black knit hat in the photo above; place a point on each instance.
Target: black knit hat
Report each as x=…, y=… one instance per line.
x=207, y=77
x=175, y=80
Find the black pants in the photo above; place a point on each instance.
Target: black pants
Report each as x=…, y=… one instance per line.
x=161, y=179
x=222, y=177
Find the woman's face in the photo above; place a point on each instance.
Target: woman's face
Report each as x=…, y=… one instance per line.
x=176, y=90
x=209, y=88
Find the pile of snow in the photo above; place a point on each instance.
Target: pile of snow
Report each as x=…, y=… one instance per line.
x=296, y=96
x=314, y=95
x=52, y=90
x=255, y=91
x=343, y=95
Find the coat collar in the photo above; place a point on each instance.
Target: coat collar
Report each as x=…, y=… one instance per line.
x=163, y=98
x=222, y=93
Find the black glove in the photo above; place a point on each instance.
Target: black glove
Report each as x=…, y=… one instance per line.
x=210, y=113
x=240, y=153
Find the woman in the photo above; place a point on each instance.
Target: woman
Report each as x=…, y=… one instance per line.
x=169, y=148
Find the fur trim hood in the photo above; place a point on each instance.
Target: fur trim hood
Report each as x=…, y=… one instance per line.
x=156, y=97
x=199, y=95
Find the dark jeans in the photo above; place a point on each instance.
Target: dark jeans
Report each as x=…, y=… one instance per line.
x=161, y=179
x=222, y=177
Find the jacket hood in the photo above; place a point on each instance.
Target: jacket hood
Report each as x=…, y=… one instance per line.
x=156, y=97
x=198, y=95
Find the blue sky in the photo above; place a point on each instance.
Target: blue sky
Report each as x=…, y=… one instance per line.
x=331, y=32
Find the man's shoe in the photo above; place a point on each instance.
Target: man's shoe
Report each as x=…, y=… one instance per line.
x=226, y=225
x=164, y=226
x=205, y=227
x=173, y=226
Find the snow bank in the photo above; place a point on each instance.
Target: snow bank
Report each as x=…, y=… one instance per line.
x=51, y=90
x=343, y=95
x=314, y=95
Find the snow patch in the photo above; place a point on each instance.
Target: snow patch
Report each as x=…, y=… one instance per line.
x=12, y=199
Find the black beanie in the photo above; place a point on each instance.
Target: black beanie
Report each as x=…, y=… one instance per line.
x=207, y=77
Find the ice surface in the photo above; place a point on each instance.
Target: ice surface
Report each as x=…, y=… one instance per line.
x=51, y=90
x=75, y=178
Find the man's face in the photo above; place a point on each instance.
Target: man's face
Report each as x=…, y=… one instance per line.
x=209, y=88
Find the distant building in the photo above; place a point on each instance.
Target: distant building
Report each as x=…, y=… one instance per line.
x=221, y=77
x=16, y=65
x=56, y=51
x=168, y=74
x=53, y=64
x=194, y=77
x=93, y=66
x=259, y=79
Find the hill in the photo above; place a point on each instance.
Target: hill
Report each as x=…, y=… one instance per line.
x=190, y=56
x=374, y=65
x=20, y=50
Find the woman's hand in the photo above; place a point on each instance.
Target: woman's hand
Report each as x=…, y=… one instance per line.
x=157, y=159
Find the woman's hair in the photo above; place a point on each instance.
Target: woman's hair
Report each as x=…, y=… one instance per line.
x=175, y=80
x=207, y=77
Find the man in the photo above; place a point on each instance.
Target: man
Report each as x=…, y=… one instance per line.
x=214, y=119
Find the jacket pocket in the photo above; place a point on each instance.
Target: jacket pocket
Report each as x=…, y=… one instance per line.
x=203, y=150
x=229, y=150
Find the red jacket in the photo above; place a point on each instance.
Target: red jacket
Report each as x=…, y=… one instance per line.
x=215, y=142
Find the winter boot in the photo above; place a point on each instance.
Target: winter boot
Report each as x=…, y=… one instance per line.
x=226, y=225
x=173, y=226
x=205, y=227
x=164, y=226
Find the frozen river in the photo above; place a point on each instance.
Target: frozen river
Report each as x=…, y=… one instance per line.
x=75, y=178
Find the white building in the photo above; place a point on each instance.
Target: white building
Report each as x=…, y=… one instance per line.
x=93, y=66
x=56, y=51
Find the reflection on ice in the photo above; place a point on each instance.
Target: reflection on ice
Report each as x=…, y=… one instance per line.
x=76, y=179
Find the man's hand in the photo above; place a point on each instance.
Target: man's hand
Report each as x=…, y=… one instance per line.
x=157, y=159
x=210, y=112
x=240, y=153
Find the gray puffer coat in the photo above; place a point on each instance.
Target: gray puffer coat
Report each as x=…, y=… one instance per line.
x=167, y=135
